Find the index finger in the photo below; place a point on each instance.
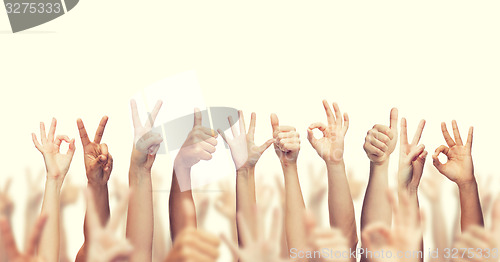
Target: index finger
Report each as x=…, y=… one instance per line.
x=197, y=117
x=329, y=113
x=404, y=135
x=446, y=135
x=136, y=120
x=83, y=133
x=100, y=130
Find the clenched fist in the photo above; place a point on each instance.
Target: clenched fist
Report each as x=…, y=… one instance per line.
x=381, y=140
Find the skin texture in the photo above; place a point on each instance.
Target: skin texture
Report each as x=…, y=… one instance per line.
x=411, y=166
x=431, y=188
x=98, y=166
x=319, y=238
x=245, y=156
x=460, y=169
x=331, y=149
x=405, y=234
x=259, y=247
x=199, y=145
x=57, y=166
x=34, y=201
x=9, y=243
x=6, y=209
x=140, y=216
x=380, y=142
x=103, y=243
x=192, y=244
x=477, y=240
x=69, y=195
x=287, y=146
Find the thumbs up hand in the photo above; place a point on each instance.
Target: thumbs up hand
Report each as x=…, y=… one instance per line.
x=287, y=142
x=381, y=140
x=199, y=145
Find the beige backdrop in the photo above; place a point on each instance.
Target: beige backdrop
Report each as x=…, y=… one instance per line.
x=436, y=60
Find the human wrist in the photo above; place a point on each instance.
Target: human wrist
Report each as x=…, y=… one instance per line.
x=467, y=185
x=54, y=181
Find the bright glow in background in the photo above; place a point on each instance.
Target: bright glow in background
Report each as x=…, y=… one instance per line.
x=436, y=60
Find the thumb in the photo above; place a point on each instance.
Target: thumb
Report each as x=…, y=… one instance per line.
x=274, y=122
x=266, y=145
x=197, y=117
x=394, y=118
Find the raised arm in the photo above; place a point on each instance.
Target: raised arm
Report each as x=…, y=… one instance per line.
x=140, y=217
x=245, y=155
x=98, y=166
x=199, y=145
x=57, y=166
x=460, y=169
x=331, y=148
x=411, y=166
x=380, y=142
x=287, y=146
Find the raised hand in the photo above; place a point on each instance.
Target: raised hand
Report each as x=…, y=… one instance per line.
x=57, y=164
x=330, y=239
x=10, y=247
x=6, y=204
x=381, y=140
x=103, y=244
x=258, y=247
x=286, y=141
x=243, y=149
x=405, y=235
x=459, y=167
x=199, y=145
x=331, y=146
x=411, y=157
x=98, y=161
x=146, y=142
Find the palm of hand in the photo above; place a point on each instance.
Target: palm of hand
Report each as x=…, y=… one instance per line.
x=95, y=173
x=57, y=163
x=331, y=146
x=459, y=166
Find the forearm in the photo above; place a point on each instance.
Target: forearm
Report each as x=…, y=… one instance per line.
x=470, y=205
x=176, y=209
x=159, y=242
x=50, y=239
x=31, y=214
x=294, y=208
x=140, y=220
x=439, y=232
x=376, y=206
x=340, y=205
x=101, y=202
x=63, y=252
x=245, y=199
